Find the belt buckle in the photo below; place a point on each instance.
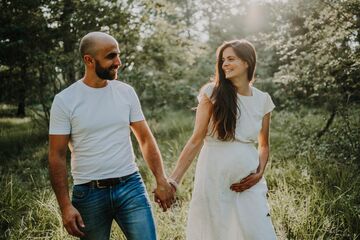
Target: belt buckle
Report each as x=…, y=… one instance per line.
x=98, y=184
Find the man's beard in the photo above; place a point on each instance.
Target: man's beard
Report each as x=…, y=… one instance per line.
x=104, y=73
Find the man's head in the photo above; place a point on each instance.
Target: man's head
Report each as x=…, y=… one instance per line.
x=100, y=53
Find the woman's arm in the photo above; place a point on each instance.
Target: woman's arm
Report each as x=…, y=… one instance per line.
x=193, y=145
x=263, y=148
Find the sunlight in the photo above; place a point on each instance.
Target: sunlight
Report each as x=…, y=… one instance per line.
x=255, y=17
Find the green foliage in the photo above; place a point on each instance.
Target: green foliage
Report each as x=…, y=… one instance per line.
x=318, y=45
x=339, y=144
x=159, y=57
x=24, y=39
x=315, y=185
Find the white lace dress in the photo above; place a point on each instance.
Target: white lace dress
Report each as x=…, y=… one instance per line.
x=216, y=212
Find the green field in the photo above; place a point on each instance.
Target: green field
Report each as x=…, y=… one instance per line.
x=314, y=193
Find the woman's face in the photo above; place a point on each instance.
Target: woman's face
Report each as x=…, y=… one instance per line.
x=233, y=66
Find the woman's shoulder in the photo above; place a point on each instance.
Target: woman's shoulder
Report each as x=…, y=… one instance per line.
x=259, y=93
x=208, y=86
x=207, y=89
x=264, y=98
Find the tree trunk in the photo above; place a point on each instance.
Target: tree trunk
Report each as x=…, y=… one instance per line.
x=327, y=125
x=22, y=93
x=21, y=107
x=188, y=15
x=69, y=40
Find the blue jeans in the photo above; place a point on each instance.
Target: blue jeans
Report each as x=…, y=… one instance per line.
x=127, y=203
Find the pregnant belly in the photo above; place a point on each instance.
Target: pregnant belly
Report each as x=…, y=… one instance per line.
x=225, y=163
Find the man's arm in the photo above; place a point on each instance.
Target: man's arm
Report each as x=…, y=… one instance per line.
x=152, y=156
x=58, y=177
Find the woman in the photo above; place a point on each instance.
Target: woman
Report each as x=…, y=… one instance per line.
x=229, y=197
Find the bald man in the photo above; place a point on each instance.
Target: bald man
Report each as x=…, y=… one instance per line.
x=93, y=116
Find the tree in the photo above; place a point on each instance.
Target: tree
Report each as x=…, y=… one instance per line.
x=23, y=35
x=319, y=51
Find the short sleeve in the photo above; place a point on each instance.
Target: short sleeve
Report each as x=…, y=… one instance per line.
x=136, y=113
x=206, y=90
x=59, y=118
x=269, y=104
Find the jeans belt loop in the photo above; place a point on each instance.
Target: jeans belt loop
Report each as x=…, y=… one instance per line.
x=98, y=184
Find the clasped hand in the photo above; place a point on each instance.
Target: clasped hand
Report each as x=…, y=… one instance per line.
x=164, y=195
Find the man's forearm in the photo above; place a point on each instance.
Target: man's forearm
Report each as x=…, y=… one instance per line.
x=152, y=156
x=58, y=178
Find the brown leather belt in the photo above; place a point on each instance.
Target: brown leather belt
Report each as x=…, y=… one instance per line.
x=104, y=183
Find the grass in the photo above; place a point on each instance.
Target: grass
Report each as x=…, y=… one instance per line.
x=312, y=195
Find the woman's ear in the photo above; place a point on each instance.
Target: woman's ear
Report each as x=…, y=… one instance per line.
x=246, y=64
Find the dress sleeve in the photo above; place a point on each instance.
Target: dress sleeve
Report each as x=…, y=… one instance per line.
x=136, y=113
x=269, y=104
x=206, y=90
x=59, y=118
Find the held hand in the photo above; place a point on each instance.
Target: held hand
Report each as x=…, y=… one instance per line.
x=246, y=183
x=72, y=221
x=164, y=195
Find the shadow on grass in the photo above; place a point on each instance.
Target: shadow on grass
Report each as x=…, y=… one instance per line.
x=16, y=136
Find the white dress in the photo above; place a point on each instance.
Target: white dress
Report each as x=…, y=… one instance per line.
x=216, y=212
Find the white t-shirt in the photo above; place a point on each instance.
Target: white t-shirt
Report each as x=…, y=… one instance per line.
x=97, y=120
x=252, y=110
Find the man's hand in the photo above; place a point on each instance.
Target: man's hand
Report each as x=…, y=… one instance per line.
x=164, y=195
x=72, y=221
x=246, y=183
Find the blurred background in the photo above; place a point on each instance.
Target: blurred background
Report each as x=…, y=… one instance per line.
x=308, y=60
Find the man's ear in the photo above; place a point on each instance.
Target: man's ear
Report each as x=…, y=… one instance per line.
x=88, y=59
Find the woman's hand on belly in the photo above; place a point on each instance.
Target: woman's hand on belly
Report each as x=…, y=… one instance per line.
x=246, y=182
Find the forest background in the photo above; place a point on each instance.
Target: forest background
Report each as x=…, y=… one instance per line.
x=308, y=60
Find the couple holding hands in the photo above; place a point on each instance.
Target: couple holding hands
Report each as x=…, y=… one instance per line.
x=94, y=116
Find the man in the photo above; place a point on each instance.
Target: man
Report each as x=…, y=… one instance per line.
x=94, y=117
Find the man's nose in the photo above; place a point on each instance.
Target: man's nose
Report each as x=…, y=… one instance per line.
x=117, y=62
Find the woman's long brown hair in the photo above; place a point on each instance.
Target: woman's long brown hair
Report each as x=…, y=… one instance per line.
x=226, y=110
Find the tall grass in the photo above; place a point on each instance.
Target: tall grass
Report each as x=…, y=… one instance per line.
x=312, y=195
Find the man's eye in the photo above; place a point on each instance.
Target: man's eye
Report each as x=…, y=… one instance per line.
x=111, y=56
